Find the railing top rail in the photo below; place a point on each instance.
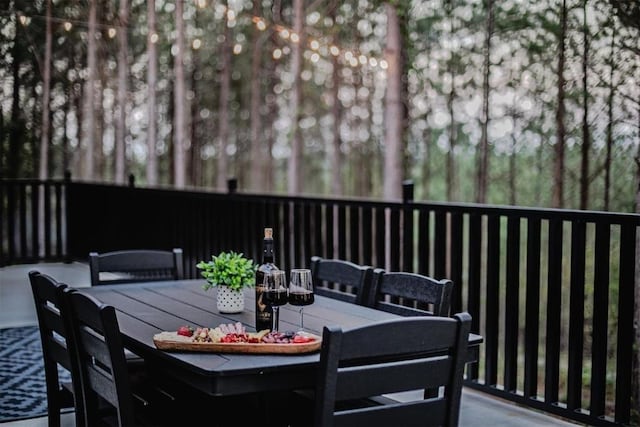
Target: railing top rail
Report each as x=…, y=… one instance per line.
x=462, y=208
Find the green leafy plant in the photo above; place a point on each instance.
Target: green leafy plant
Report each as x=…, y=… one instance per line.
x=229, y=269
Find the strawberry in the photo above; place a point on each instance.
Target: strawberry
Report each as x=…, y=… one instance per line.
x=301, y=339
x=186, y=331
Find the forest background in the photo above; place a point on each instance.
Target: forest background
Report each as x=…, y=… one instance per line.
x=515, y=102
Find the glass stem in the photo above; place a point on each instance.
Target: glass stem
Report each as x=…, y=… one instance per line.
x=301, y=318
x=276, y=318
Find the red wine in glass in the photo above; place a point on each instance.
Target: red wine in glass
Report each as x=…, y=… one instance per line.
x=275, y=293
x=301, y=290
x=275, y=297
x=301, y=298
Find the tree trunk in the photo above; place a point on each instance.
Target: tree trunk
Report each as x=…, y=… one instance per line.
x=513, y=201
x=16, y=121
x=426, y=163
x=294, y=183
x=270, y=100
x=223, y=108
x=450, y=161
x=558, y=161
x=483, y=160
x=89, y=114
x=46, y=97
x=635, y=400
x=607, y=161
x=337, y=185
x=152, y=81
x=123, y=68
x=258, y=142
x=180, y=102
x=586, y=136
x=394, y=110
x=43, y=172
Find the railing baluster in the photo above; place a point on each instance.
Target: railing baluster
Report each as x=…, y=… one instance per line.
x=576, y=320
x=493, y=300
x=329, y=221
x=47, y=219
x=60, y=222
x=380, y=238
x=3, y=216
x=354, y=234
x=473, y=302
x=342, y=232
x=532, y=315
x=35, y=222
x=394, y=240
x=455, y=257
x=306, y=236
x=511, y=305
x=440, y=246
x=600, y=320
x=407, y=239
x=554, y=301
x=317, y=232
x=285, y=238
x=23, y=221
x=423, y=242
x=367, y=233
x=624, y=360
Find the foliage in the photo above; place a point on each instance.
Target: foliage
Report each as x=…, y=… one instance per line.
x=229, y=269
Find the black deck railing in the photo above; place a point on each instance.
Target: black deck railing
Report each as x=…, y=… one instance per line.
x=551, y=291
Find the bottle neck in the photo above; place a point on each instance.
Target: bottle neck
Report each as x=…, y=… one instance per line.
x=267, y=251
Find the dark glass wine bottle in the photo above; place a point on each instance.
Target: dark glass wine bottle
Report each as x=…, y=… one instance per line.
x=264, y=311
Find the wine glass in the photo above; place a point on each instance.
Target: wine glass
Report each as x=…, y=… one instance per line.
x=301, y=290
x=275, y=293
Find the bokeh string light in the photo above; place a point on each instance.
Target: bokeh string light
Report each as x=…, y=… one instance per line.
x=317, y=45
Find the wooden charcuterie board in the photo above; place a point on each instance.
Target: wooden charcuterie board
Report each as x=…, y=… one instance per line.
x=171, y=341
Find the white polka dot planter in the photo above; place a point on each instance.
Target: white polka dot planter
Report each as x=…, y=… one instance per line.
x=229, y=300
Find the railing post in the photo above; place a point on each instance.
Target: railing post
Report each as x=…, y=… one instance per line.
x=132, y=180
x=407, y=191
x=407, y=227
x=68, y=226
x=232, y=185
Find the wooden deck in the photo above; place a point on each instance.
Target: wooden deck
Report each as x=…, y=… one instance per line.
x=16, y=309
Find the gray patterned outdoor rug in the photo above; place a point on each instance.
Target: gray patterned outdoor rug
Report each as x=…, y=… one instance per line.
x=23, y=392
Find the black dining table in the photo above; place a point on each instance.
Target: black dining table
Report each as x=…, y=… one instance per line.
x=147, y=308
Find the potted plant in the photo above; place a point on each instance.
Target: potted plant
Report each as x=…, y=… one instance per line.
x=230, y=272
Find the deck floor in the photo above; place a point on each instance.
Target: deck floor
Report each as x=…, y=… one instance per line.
x=16, y=309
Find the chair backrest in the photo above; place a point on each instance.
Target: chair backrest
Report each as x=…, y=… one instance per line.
x=412, y=353
x=409, y=294
x=135, y=266
x=341, y=280
x=56, y=338
x=100, y=353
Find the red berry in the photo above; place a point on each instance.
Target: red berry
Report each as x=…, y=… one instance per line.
x=185, y=331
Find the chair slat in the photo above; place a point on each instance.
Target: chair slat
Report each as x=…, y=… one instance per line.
x=430, y=412
x=373, y=380
x=135, y=266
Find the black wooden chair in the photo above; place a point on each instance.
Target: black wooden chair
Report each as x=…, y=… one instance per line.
x=48, y=298
x=108, y=393
x=416, y=353
x=342, y=280
x=409, y=294
x=135, y=266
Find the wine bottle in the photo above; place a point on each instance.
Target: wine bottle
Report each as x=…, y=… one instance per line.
x=264, y=311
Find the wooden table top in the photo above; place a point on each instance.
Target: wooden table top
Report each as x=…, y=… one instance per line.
x=145, y=309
